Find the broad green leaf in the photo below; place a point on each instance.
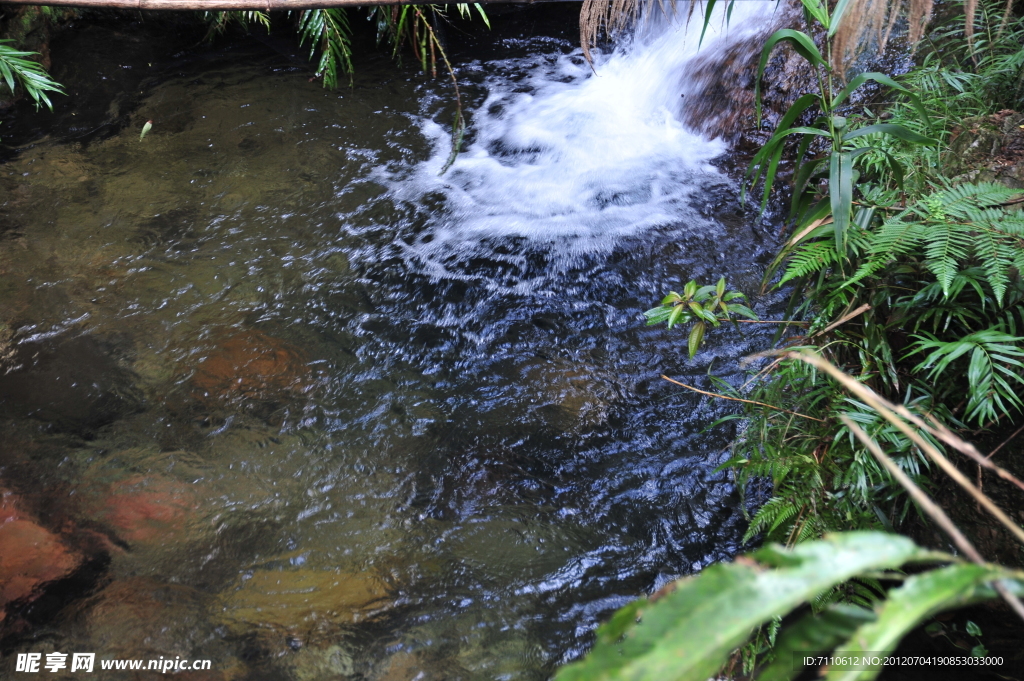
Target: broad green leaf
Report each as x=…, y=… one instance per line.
x=818, y=11
x=689, y=633
x=920, y=597
x=814, y=634
x=742, y=310
x=892, y=129
x=837, y=16
x=696, y=337
x=699, y=312
x=840, y=189
x=675, y=315
x=704, y=292
x=657, y=315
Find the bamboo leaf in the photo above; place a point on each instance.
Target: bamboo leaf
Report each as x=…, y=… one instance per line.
x=840, y=187
x=707, y=20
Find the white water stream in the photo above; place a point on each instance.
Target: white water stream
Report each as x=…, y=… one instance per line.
x=563, y=152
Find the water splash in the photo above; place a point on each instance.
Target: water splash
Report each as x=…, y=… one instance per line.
x=574, y=158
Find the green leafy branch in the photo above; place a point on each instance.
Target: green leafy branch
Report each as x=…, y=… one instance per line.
x=846, y=141
x=16, y=67
x=328, y=31
x=702, y=305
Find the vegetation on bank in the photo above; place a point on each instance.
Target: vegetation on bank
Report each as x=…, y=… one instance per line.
x=327, y=32
x=906, y=274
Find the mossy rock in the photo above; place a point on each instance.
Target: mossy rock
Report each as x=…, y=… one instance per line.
x=300, y=602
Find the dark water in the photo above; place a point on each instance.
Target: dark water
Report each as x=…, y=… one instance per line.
x=330, y=416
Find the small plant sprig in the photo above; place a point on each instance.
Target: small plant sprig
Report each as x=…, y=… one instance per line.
x=701, y=305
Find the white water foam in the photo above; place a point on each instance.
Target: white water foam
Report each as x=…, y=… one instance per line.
x=578, y=156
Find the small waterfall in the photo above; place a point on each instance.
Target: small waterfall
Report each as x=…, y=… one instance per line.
x=565, y=154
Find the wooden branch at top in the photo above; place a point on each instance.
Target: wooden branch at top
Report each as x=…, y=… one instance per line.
x=260, y=5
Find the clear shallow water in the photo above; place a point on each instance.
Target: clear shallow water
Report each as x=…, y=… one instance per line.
x=337, y=417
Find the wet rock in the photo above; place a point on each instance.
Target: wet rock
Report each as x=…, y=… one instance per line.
x=718, y=92
x=30, y=556
x=75, y=384
x=989, y=149
x=251, y=365
x=306, y=604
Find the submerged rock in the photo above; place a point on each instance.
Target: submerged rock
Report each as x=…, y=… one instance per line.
x=406, y=666
x=303, y=603
x=141, y=617
x=571, y=396
x=251, y=365
x=75, y=384
x=333, y=663
x=150, y=508
x=31, y=556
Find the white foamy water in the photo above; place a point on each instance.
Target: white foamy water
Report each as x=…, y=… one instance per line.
x=566, y=153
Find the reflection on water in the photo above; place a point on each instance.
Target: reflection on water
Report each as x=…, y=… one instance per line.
x=295, y=405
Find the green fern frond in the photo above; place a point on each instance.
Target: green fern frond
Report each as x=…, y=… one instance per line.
x=808, y=258
x=995, y=370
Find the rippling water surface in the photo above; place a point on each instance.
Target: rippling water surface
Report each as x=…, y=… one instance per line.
x=333, y=416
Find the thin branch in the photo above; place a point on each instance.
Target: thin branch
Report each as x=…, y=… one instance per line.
x=932, y=509
x=940, y=431
x=887, y=410
x=842, y=320
x=740, y=399
x=1004, y=442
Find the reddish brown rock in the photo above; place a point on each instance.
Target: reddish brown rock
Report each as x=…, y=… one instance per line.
x=251, y=365
x=147, y=508
x=30, y=555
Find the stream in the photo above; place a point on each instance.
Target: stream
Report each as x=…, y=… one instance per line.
x=298, y=405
